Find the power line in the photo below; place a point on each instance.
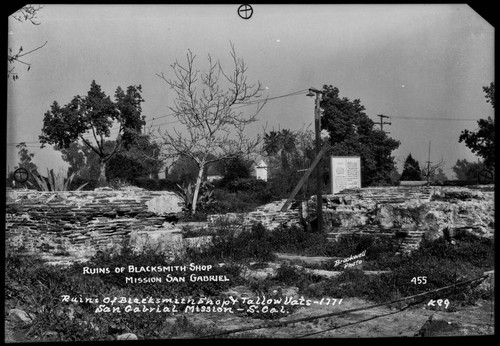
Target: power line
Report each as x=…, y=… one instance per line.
x=243, y=104
x=422, y=118
x=296, y=93
x=162, y=116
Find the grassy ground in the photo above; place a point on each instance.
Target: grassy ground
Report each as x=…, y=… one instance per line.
x=37, y=288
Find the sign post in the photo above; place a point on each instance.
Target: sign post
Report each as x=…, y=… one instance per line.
x=345, y=173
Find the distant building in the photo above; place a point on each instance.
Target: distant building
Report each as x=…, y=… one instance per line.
x=214, y=172
x=259, y=170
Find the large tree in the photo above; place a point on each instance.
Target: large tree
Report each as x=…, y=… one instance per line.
x=94, y=115
x=141, y=157
x=205, y=106
x=411, y=170
x=482, y=141
x=352, y=133
x=79, y=157
x=288, y=153
x=465, y=170
x=282, y=143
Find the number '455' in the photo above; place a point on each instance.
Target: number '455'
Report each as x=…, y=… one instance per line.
x=419, y=280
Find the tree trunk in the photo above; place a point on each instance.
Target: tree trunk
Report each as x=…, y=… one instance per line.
x=197, y=189
x=102, y=174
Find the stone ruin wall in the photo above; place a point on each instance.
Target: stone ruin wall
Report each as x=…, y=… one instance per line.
x=72, y=225
x=410, y=213
x=406, y=214
x=64, y=226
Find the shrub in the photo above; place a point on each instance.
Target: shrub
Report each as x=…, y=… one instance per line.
x=230, y=243
x=293, y=276
x=226, y=201
x=289, y=238
x=245, y=184
x=236, y=168
x=155, y=184
x=122, y=167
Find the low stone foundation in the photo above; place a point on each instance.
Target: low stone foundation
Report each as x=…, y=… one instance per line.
x=271, y=218
x=74, y=225
x=409, y=212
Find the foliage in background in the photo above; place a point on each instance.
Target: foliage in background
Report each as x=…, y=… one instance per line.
x=482, y=141
x=122, y=167
x=155, y=184
x=94, y=115
x=236, y=168
x=411, y=170
x=288, y=153
x=353, y=133
x=139, y=160
x=467, y=171
x=183, y=171
x=238, y=196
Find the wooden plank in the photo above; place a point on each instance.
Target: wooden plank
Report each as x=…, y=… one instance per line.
x=303, y=180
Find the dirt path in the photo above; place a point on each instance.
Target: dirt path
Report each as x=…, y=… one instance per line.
x=476, y=320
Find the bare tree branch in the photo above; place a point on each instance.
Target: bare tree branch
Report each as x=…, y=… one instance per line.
x=26, y=13
x=203, y=105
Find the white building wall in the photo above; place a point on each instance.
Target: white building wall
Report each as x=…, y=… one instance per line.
x=261, y=171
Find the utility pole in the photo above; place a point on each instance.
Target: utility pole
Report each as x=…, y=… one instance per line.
x=429, y=165
x=317, y=128
x=382, y=122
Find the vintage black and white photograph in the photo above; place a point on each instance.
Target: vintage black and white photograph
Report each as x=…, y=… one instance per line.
x=249, y=171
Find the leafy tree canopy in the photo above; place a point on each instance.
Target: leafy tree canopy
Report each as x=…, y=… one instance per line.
x=141, y=160
x=94, y=115
x=236, y=168
x=352, y=133
x=411, y=170
x=465, y=170
x=482, y=141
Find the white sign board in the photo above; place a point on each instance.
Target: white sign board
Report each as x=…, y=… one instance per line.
x=345, y=173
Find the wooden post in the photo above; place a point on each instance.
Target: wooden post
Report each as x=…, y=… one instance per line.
x=302, y=180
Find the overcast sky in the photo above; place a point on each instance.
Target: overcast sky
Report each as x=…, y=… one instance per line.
x=422, y=65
